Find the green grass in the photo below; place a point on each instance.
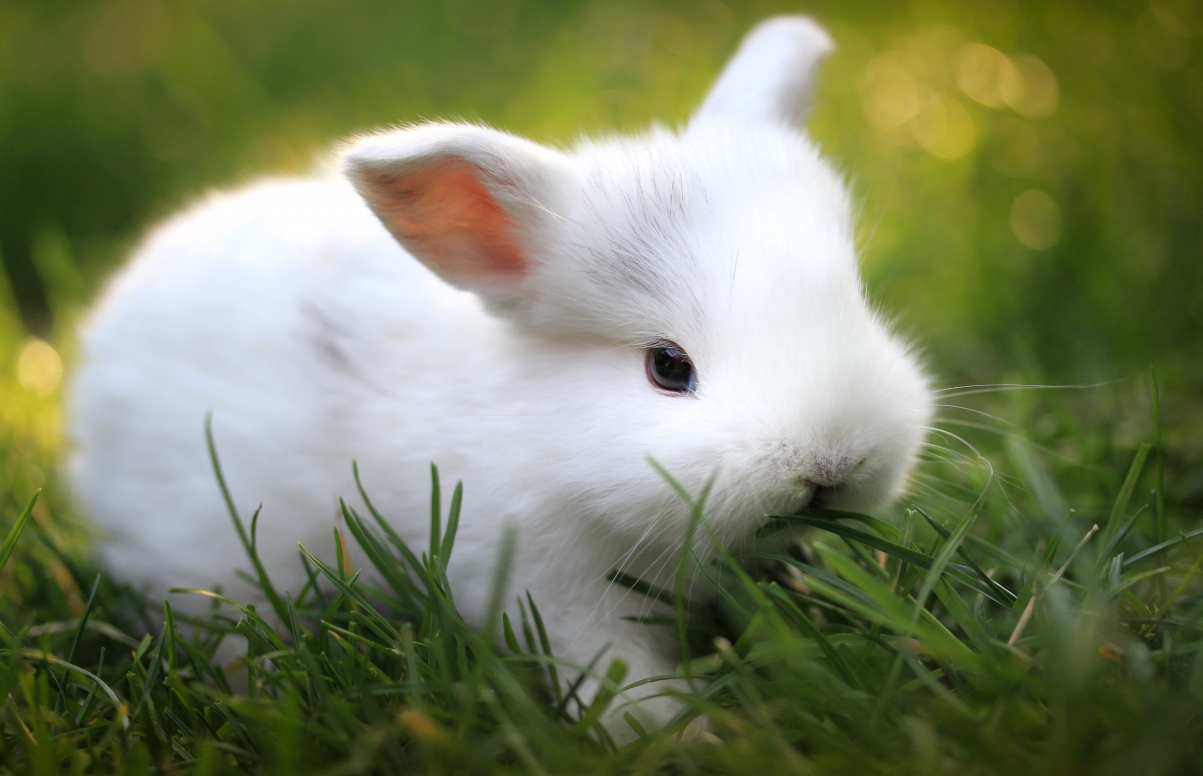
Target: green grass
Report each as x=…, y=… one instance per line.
x=987, y=627
x=114, y=112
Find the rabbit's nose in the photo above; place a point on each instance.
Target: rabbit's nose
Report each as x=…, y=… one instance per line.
x=824, y=476
x=828, y=471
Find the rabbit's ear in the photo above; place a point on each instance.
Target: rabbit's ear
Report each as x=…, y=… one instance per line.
x=470, y=203
x=771, y=78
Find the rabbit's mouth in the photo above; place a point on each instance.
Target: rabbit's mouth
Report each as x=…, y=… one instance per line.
x=810, y=495
x=798, y=499
x=824, y=496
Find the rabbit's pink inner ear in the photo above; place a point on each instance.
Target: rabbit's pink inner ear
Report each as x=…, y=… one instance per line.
x=447, y=217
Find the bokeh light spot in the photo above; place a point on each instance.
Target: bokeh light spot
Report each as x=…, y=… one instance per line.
x=944, y=129
x=39, y=367
x=1037, y=94
x=988, y=76
x=889, y=93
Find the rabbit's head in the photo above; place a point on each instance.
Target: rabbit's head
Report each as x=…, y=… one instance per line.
x=687, y=295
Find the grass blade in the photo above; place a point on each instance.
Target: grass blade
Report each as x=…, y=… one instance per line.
x=545, y=644
x=951, y=545
x=1125, y=494
x=1007, y=596
x=501, y=578
x=14, y=533
x=864, y=537
x=457, y=499
x=1157, y=549
x=265, y=583
x=436, y=513
x=808, y=628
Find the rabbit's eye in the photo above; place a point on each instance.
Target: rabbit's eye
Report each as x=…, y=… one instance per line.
x=670, y=370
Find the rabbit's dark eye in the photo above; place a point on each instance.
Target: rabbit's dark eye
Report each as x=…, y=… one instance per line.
x=670, y=370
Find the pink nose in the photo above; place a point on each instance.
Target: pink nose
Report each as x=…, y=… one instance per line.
x=827, y=471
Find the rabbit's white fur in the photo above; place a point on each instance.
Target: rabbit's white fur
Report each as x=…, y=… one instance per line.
x=512, y=353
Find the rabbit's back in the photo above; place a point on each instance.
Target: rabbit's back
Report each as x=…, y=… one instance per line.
x=283, y=309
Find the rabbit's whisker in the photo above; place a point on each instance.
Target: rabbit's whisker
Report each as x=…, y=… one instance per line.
x=970, y=390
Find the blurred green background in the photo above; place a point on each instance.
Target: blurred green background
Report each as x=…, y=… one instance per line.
x=1029, y=177
x=1030, y=174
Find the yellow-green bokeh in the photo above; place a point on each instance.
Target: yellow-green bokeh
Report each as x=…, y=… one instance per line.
x=1029, y=173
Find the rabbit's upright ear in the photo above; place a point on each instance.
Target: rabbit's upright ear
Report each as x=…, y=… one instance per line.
x=472, y=204
x=771, y=78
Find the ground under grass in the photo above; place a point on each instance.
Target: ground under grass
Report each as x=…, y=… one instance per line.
x=1034, y=605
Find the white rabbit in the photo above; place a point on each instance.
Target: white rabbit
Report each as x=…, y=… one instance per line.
x=539, y=323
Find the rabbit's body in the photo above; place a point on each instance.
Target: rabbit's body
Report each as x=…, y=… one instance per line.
x=291, y=312
x=309, y=346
